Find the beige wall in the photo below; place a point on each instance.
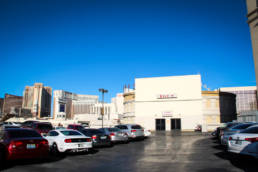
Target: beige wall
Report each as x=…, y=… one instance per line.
x=186, y=104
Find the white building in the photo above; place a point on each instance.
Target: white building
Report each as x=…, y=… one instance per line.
x=166, y=103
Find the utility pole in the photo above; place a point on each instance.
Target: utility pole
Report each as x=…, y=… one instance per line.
x=102, y=90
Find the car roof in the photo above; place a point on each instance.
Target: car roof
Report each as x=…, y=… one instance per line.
x=13, y=129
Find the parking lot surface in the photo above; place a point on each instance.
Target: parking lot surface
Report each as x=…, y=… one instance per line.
x=164, y=151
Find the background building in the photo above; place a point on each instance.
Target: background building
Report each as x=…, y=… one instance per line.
x=246, y=99
x=168, y=103
x=12, y=104
x=37, y=100
x=1, y=106
x=117, y=108
x=252, y=9
x=128, y=116
x=85, y=109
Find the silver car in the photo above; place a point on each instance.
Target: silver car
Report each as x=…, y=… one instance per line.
x=134, y=131
x=116, y=135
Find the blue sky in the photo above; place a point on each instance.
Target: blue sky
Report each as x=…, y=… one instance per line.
x=82, y=45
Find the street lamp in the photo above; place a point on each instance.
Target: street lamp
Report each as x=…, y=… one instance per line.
x=103, y=91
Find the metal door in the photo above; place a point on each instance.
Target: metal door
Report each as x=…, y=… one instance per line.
x=160, y=124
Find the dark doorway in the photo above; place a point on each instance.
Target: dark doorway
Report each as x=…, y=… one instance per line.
x=160, y=124
x=176, y=124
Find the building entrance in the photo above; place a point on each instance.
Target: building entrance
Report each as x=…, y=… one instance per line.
x=176, y=124
x=160, y=124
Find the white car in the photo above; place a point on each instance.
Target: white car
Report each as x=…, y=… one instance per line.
x=68, y=141
x=245, y=142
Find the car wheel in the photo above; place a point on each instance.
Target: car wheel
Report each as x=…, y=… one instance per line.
x=54, y=149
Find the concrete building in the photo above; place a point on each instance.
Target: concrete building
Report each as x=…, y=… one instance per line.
x=252, y=10
x=84, y=109
x=12, y=104
x=218, y=107
x=168, y=103
x=1, y=106
x=37, y=100
x=117, y=108
x=129, y=106
x=246, y=99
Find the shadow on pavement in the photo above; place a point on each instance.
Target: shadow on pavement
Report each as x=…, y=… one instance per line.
x=49, y=159
x=245, y=163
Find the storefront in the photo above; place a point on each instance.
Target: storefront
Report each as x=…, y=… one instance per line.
x=169, y=103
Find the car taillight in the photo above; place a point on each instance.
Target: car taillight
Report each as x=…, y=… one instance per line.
x=94, y=137
x=15, y=144
x=44, y=142
x=112, y=134
x=88, y=140
x=133, y=130
x=255, y=139
x=230, y=138
x=68, y=140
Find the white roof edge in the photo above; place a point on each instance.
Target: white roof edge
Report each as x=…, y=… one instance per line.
x=199, y=75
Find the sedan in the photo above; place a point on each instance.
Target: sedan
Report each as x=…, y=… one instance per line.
x=233, y=130
x=245, y=142
x=19, y=143
x=133, y=131
x=68, y=141
x=98, y=137
x=115, y=134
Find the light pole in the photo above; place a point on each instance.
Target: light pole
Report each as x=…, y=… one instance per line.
x=103, y=91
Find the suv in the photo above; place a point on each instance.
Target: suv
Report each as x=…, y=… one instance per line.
x=42, y=127
x=133, y=131
x=75, y=127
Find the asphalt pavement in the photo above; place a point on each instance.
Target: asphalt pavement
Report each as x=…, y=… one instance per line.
x=164, y=151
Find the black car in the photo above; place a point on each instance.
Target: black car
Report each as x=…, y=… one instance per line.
x=98, y=137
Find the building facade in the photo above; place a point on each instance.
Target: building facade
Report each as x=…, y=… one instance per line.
x=118, y=107
x=1, y=106
x=169, y=103
x=246, y=99
x=12, y=104
x=129, y=106
x=252, y=10
x=85, y=109
x=37, y=100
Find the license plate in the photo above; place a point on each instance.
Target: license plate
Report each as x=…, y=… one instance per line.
x=103, y=137
x=80, y=145
x=31, y=146
x=239, y=142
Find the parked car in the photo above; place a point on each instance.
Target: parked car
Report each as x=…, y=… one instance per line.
x=12, y=124
x=60, y=128
x=28, y=124
x=20, y=143
x=115, y=134
x=245, y=142
x=42, y=127
x=133, y=131
x=232, y=130
x=225, y=127
x=98, y=137
x=68, y=141
x=75, y=127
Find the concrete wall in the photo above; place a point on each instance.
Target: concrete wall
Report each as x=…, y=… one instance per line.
x=167, y=98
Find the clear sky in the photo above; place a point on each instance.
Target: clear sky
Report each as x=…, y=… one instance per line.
x=83, y=45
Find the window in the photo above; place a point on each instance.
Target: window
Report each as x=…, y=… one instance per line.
x=23, y=133
x=62, y=108
x=70, y=133
x=53, y=133
x=122, y=127
x=136, y=127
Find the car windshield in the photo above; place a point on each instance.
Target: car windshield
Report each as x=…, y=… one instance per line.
x=242, y=126
x=231, y=125
x=136, y=127
x=70, y=133
x=251, y=130
x=23, y=133
x=113, y=129
x=44, y=127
